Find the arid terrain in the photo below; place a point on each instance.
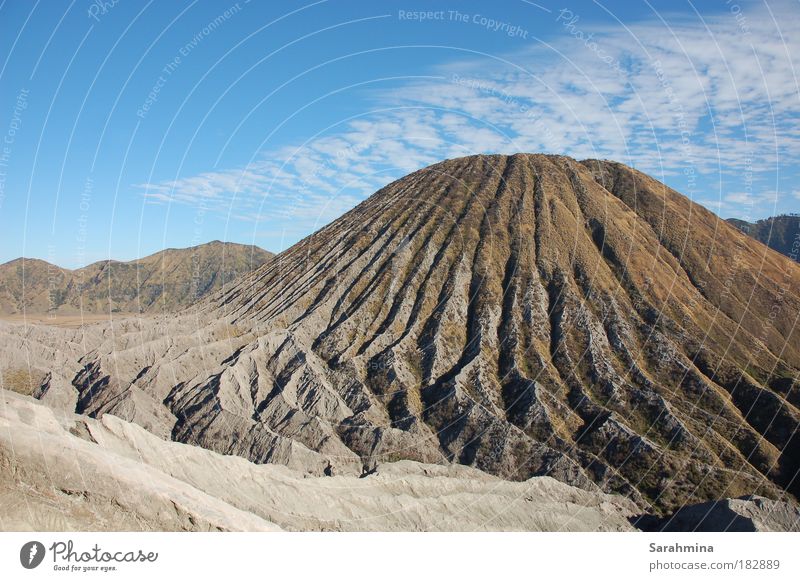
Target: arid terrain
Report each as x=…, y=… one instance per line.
x=72, y=472
x=165, y=281
x=511, y=320
x=67, y=321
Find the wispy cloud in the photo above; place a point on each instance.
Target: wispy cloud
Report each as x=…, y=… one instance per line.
x=715, y=97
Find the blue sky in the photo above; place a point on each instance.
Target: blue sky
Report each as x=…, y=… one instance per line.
x=131, y=126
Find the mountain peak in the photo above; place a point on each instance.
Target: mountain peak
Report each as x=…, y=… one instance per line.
x=519, y=312
x=525, y=315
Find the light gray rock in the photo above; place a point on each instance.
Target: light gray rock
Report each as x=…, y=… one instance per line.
x=745, y=514
x=52, y=479
x=67, y=472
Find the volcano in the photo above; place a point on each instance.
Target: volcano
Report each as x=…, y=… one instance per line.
x=524, y=315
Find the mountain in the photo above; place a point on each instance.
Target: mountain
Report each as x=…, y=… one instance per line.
x=525, y=315
x=165, y=281
x=781, y=233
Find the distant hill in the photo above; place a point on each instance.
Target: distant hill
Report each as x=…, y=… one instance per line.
x=781, y=233
x=165, y=281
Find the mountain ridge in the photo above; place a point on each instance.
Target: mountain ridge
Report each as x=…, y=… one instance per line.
x=780, y=233
x=146, y=258
x=166, y=280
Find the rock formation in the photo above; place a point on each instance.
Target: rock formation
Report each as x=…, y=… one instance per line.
x=524, y=315
x=745, y=514
x=62, y=471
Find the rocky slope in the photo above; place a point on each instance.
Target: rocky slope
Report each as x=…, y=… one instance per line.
x=165, y=281
x=61, y=471
x=525, y=315
x=745, y=514
x=781, y=233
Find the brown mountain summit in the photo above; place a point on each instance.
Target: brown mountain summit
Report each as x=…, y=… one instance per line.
x=522, y=314
x=164, y=281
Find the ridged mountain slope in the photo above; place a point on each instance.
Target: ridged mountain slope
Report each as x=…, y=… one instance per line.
x=522, y=314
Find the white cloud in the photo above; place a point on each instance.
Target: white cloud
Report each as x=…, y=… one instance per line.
x=714, y=94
